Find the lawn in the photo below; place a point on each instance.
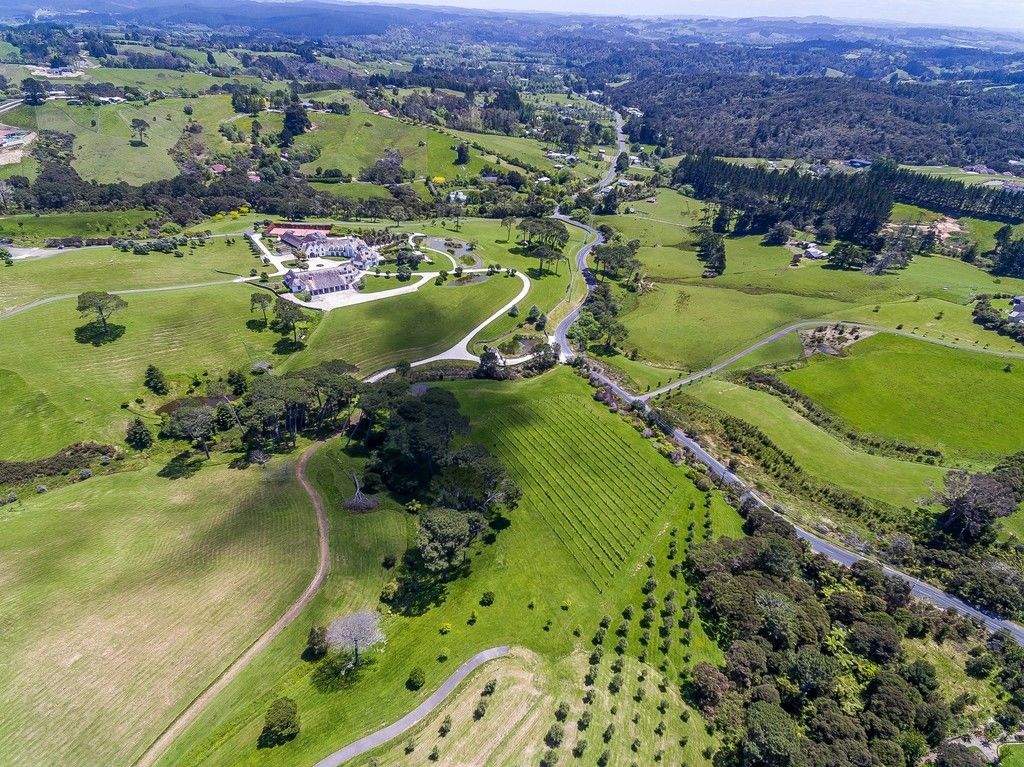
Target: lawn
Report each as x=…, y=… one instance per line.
x=132, y=592
x=356, y=190
x=28, y=230
x=547, y=430
x=900, y=483
x=104, y=268
x=956, y=401
x=194, y=332
x=409, y=327
x=1011, y=756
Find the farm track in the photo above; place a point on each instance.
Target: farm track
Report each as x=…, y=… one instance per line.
x=197, y=706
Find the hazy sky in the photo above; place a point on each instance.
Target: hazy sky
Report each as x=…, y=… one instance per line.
x=995, y=14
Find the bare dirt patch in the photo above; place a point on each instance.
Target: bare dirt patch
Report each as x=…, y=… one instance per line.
x=832, y=339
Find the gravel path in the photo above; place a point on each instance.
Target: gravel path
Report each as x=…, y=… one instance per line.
x=196, y=707
x=392, y=731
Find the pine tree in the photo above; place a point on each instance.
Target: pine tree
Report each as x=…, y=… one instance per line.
x=155, y=380
x=138, y=436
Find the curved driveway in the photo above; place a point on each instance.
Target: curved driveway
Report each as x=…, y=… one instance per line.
x=383, y=735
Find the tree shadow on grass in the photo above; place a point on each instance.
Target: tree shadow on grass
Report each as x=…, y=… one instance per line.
x=182, y=466
x=257, y=326
x=95, y=334
x=288, y=346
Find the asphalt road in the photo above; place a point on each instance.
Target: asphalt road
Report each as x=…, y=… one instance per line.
x=385, y=734
x=833, y=551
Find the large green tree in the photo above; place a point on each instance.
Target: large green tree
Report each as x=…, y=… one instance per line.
x=102, y=305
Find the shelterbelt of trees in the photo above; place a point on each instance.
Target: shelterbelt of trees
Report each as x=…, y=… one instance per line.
x=854, y=205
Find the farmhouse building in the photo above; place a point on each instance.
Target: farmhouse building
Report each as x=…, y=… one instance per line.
x=319, y=282
x=816, y=253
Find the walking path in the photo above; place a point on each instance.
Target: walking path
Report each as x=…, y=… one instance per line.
x=196, y=707
x=383, y=735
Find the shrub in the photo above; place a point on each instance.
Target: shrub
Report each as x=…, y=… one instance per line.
x=550, y=759
x=85, y=474
x=489, y=688
x=444, y=628
x=434, y=754
x=487, y=599
x=417, y=678
x=579, y=748
x=480, y=710
x=446, y=726
x=281, y=723
x=316, y=643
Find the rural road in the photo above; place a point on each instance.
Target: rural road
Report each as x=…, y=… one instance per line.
x=196, y=707
x=383, y=735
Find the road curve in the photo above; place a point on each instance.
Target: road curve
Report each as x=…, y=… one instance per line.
x=392, y=731
x=196, y=707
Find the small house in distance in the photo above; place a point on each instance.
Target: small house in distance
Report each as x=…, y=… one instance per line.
x=858, y=163
x=815, y=253
x=319, y=282
x=1017, y=309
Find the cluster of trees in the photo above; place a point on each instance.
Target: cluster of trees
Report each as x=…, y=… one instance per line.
x=599, y=320
x=757, y=199
x=388, y=169
x=821, y=118
x=989, y=317
x=815, y=671
x=946, y=195
x=458, y=490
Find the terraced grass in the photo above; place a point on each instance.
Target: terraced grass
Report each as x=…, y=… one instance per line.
x=105, y=268
x=529, y=567
x=901, y=483
x=952, y=400
x=132, y=592
x=29, y=230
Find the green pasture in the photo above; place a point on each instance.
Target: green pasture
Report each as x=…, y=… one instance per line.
x=409, y=327
x=133, y=591
x=104, y=143
x=104, y=268
x=900, y=483
x=28, y=229
x=356, y=190
x=624, y=500
x=956, y=401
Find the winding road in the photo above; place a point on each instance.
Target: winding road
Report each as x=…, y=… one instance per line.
x=196, y=707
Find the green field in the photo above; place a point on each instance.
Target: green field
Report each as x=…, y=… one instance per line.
x=132, y=592
x=189, y=332
x=688, y=322
x=29, y=230
x=955, y=401
x=357, y=190
x=900, y=483
x=104, y=268
x=547, y=430
x=103, y=145
x=409, y=327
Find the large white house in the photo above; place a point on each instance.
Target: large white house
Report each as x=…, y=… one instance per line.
x=320, y=245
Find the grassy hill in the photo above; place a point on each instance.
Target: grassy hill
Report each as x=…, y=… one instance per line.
x=547, y=584
x=132, y=592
